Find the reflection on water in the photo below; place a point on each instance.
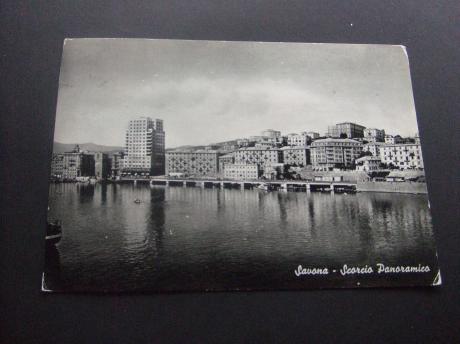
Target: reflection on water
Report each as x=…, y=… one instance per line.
x=191, y=238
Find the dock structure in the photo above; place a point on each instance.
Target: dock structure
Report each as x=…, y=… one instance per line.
x=281, y=185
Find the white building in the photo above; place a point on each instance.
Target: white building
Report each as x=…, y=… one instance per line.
x=298, y=139
x=224, y=160
x=327, y=154
x=393, y=139
x=145, y=147
x=368, y=164
x=241, y=171
x=402, y=155
x=373, y=147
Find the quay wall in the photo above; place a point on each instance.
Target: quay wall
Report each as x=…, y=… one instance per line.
x=347, y=176
x=397, y=187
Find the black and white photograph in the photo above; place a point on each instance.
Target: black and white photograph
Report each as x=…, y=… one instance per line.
x=188, y=165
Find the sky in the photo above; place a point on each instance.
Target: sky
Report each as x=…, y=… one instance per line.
x=213, y=91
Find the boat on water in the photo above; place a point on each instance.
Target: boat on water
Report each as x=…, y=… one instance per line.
x=137, y=201
x=82, y=179
x=263, y=186
x=53, y=232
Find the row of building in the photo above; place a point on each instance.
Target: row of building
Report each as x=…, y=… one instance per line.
x=344, y=146
x=245, y=163
x=143, y=154
x=323, y=155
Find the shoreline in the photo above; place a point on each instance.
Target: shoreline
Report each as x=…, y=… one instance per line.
x=405, y=187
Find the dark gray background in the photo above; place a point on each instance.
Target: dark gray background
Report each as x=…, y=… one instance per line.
x=31, y=44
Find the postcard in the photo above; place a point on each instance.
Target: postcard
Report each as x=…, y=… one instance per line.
x=183, y=165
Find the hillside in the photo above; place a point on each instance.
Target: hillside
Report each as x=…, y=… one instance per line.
x=92, y=147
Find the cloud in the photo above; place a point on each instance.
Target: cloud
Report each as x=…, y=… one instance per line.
x=213, y=94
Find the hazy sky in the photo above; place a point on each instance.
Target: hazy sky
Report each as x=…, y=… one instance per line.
x=207, y=91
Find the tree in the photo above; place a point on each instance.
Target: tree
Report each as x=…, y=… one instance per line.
x=364, y=153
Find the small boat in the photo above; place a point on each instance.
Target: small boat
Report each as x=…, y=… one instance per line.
x=263, y=187
x=53, y=232
x=137, y=201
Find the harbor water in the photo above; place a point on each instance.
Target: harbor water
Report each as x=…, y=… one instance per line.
x=192, y=238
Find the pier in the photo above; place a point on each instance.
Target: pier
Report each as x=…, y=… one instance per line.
x=269, y=185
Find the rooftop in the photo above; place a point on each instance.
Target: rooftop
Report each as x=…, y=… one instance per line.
x=193, y=151
x=368, y=158
x=331, y=140
x=294, y=147
x=358, y=125
x=258, y=148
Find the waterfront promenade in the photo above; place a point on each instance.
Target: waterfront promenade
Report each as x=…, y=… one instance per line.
x=284, y=185
x=298, y=185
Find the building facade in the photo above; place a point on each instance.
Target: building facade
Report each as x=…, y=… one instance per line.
x=265, y=145
x=196, y=163
x=351, y=130
x=391, y=140
x=327, y=154
x=271, y=133
x=243, y=142
x=296, y=156
x=241, y=171
x=73, y=164
x=368, y=164
x=116, y=164
x=374, y=135
x=273, y=171
x=298, y=139
x=373, y=148
x=259, y=156
x=145, y=147
x=224, y=160
x=313, y=135
x=78, y=164
x=403, y=156
x=101, y=165
x=57, y=165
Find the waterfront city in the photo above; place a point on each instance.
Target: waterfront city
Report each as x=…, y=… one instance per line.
x=347, y=154
x=206, y=165
x=150, y=218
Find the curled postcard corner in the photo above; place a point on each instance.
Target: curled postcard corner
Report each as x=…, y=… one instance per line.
x=44, y=287
x=437, y=279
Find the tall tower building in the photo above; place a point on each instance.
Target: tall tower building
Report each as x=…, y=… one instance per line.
x=145, y=147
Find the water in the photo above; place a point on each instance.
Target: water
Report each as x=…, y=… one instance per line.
x=192, y=238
